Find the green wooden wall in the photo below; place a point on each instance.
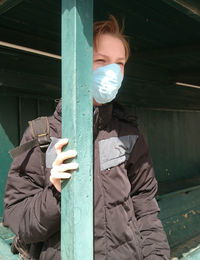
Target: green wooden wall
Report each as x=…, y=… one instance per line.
x=180, y=215
x=173, y=139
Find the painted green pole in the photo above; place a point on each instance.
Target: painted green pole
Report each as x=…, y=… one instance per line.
x=77, y=124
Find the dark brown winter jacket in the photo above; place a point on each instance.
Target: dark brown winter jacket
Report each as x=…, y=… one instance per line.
x=126, y=225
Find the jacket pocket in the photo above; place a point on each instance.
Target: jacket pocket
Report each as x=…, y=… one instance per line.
x=118, y=226
x=123, y=233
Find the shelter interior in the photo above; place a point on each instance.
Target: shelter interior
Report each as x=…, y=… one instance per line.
x=161, y=87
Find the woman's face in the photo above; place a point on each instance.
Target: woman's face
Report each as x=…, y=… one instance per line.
x=110, y=49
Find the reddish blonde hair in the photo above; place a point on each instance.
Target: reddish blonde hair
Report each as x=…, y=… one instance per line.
x=110, y=26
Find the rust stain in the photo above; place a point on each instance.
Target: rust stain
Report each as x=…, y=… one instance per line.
x=176, y=221
x=193, y=212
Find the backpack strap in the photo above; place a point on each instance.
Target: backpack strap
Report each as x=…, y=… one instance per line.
x=23, y=148
x=41, y=137
x=40, y=131
x=18, y=247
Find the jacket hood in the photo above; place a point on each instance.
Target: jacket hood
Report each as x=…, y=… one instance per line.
x=58, y=112
x=102, y=115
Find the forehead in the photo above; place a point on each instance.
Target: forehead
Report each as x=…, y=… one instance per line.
x=108, y=44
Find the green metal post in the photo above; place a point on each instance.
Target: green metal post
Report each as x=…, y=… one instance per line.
x=77, y=124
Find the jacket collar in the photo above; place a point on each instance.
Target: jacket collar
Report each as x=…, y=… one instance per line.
x=102, y=114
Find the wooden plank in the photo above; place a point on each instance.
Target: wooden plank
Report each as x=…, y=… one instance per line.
x=6, y=5
x=30, y=83
x=190, y=8
x=181, y=222
x=190, y=49
x=177, y=159
x=194, y=255
x=29, y=50
x=26, y=39
x=5, y=253
x=186, y=248
x=77, y=194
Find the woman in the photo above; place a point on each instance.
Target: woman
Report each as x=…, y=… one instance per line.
x=125, y=223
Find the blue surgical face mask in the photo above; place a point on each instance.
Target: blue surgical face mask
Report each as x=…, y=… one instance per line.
x=106, y=83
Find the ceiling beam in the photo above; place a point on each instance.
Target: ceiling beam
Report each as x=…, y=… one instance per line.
x=189, y=7
x=30, y=41
x=29, y=82
x=6, y=5
x=29, y=50
x=179, y=50
x=185, y=77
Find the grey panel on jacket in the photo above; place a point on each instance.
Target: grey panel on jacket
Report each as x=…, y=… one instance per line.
x=51, y=152
x=115, y=150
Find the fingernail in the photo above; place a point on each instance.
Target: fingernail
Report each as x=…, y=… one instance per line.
x=74, y=152
x=75, y=165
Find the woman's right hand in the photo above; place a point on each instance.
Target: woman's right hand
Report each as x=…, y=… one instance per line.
x=59, y=169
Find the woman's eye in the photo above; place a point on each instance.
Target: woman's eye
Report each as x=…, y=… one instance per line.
x=100, y=60
x=120, y=63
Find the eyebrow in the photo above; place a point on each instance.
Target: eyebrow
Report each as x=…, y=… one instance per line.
x=119, y=59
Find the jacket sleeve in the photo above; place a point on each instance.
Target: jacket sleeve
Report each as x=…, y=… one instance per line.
x=143, y=191
x=32, y=204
